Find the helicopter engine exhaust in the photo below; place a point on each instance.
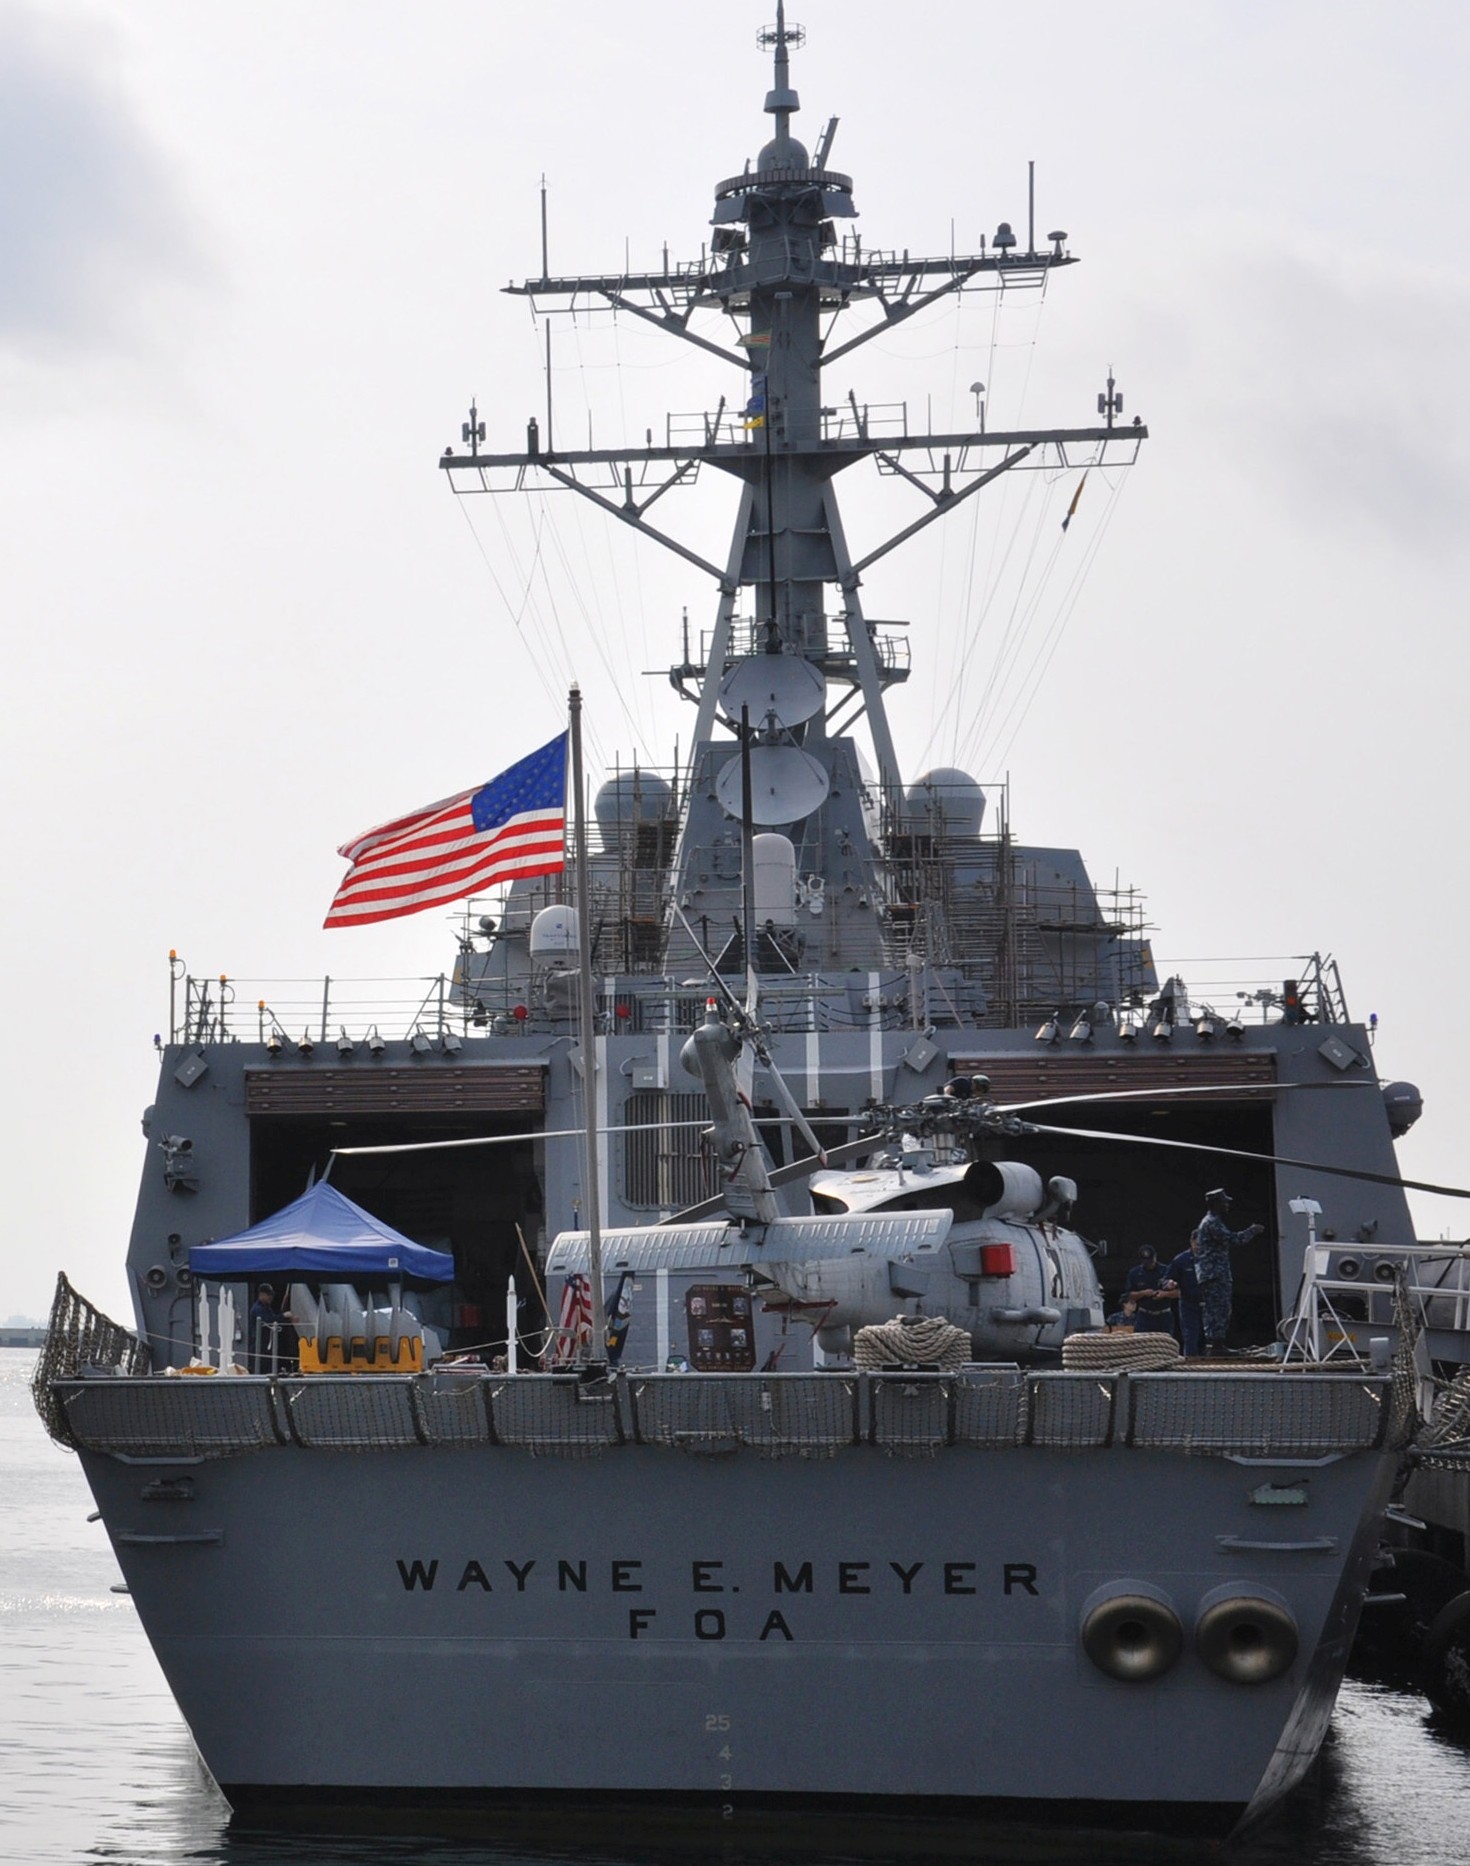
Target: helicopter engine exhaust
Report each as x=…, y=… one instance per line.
x=1005, y=1188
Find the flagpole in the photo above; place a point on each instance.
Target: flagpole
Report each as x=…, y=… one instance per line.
x=590, y=1166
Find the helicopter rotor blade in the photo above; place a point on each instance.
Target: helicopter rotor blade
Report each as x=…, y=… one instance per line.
x=715, y=978
x=1167, y=1094
x=1266, y=1159
x=511, y=1140
x=788, y=1103
x=748, y=1011
x=787, y=1175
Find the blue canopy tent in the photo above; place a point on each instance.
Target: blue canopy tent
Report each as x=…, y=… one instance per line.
x=322, y=1234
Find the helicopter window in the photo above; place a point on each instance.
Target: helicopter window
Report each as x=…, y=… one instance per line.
x=957, y=1198
x=824, y=1203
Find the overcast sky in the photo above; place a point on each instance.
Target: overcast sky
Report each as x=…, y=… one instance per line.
x=252, y=255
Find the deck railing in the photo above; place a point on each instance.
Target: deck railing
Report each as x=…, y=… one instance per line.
x=899, y=1413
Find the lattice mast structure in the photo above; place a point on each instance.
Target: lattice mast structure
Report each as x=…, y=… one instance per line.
x=781, y=276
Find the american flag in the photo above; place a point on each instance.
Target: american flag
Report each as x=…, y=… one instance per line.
x=574, y=1325
x=506, y=830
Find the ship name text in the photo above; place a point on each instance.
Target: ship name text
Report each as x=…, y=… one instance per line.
x=833, y=1579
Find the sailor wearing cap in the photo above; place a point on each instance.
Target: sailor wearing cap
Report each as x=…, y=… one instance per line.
x=1212, y=1268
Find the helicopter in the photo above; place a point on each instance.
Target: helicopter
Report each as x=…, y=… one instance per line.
x=924, y=1226
x=913, y=1218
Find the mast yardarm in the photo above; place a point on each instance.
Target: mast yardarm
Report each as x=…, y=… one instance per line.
x=783, y=265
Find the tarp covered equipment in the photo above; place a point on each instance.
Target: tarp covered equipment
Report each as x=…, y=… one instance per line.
x=321, y=1234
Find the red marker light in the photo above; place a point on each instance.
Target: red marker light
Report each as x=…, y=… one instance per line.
x=520, y=1013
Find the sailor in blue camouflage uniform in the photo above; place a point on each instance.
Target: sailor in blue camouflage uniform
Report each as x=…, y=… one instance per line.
x=1212, y=1267
x=1183, y=1272
x=1144, y=1282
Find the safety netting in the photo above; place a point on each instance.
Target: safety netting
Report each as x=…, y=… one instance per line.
x=776, y=1416
x=170, y=1416
x=990, y=1407
x=94, y=1389
x=1071, y=1411
x=361, y=1412
x=1259, y=1415
x=555, y=1415
x=902, y=1413
x=80, y=1338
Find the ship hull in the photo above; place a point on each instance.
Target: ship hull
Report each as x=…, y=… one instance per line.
x=729, y=1632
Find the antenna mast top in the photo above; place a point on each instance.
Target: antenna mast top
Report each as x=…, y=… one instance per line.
x=781, y=100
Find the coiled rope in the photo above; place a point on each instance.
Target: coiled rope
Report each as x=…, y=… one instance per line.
x=909, y=1338
x=1119, y=1353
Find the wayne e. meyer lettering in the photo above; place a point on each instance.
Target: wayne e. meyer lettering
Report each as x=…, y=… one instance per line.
x=849, y=1579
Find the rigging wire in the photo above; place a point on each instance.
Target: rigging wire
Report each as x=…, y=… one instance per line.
x=952, y=709
x=1045, y=654
x=962, y=657
x=591, y=582
x=636, y=556
x=1025, y=604
x=537, y=661
x=944, y=540
x=565, y=665
x=595, y=635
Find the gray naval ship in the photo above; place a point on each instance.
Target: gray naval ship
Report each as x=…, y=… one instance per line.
x=791, y=1466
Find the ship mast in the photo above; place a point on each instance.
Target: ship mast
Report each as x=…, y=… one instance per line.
x=782, y=276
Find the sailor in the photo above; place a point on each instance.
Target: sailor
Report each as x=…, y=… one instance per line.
x=1183, y=1273
x=1216, y=1241
x=1147, y=1284
x=263, y=1332
x=1125, y=1320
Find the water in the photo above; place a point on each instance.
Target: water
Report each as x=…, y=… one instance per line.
x=95, y=1764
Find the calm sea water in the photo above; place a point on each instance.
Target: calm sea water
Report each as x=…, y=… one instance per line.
x=95, y=1764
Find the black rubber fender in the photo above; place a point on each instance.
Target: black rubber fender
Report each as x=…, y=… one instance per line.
x=1391, y=1636
x=1444, y=1663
